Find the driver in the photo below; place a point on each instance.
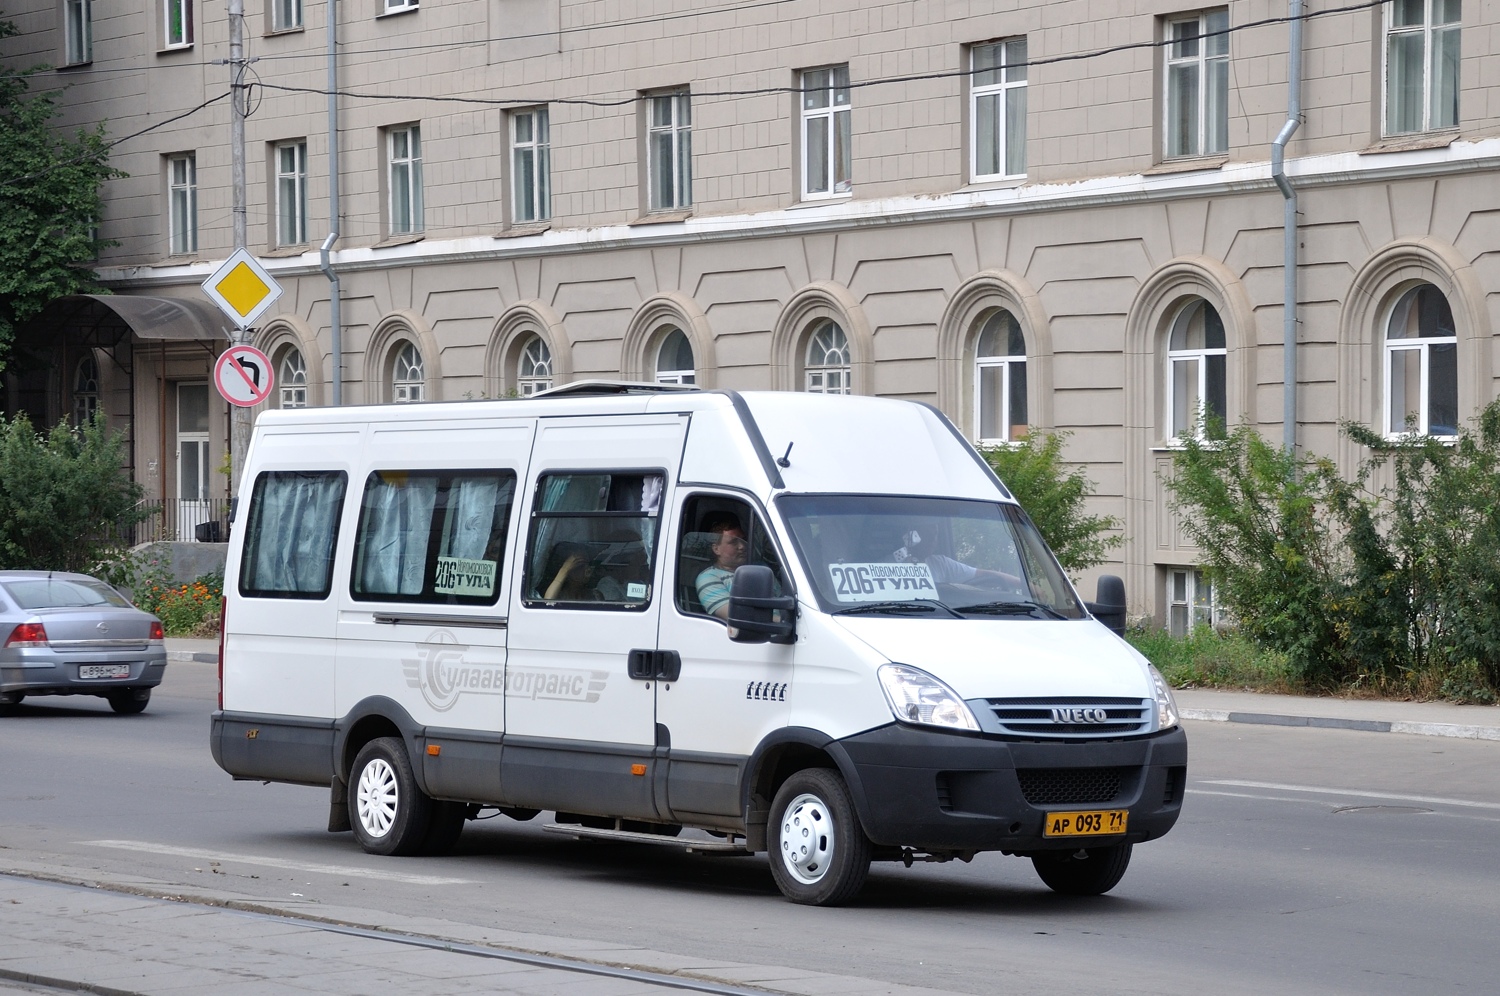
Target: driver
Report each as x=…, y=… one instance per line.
x=946, y=570
x=729, y=550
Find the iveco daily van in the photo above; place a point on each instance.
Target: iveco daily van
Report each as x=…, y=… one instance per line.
x=814, y=626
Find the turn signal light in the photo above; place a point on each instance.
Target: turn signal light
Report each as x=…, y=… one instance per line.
x=157, y=633
x=32, y=634
x=637, y=769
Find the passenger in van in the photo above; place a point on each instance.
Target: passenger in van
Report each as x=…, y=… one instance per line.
x=729, y=549
x=946, y=570
x=571, y=583
x=603, y=578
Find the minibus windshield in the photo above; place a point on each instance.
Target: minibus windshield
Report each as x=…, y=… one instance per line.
x=918, y=556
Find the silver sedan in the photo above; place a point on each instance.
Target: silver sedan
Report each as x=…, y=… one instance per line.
x=71, y=634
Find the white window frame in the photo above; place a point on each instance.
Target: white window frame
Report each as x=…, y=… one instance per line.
x=1207, y=60
x=397, y=6
x=1194, y=605
x=1423, y=347
x=291, y=190
x=404, y=174
x=85, y=390
x=1007, y=364
x=286, y=15
x=675, y=374
x=826, y=377
x=1004, y=86
x=183, y=11
x=826, y=108
x=1198, y=420
x=408, y=374
x=291, y=375
x=78, y=32
x=182, y=204
x=1431, y=35
x=531, y=202
x=534, y=367
x=676, y=128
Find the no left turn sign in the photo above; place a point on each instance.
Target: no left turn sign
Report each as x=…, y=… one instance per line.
x=243, y=376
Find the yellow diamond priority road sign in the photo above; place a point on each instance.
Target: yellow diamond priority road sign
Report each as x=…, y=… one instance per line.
x=242, y=288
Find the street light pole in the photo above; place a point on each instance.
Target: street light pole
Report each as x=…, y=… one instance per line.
x=239, y=418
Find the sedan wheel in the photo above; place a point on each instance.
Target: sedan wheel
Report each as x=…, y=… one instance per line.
x=391, y=815
x=129, y=701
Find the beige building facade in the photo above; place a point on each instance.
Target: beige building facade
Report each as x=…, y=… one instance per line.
x=1036, y=216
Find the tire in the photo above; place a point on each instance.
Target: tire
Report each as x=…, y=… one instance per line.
x=444, y=827
x=1090, y=871
x=388, y=813
x=129, y=701
x=9, y=701
x=820, y=855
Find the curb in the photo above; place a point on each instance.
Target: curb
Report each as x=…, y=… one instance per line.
x=1331, y=723
x=189, y=657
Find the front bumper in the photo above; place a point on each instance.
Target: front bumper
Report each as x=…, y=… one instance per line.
x=935, y=791
x=39, y=671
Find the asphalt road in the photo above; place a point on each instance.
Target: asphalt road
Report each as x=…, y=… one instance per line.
x=1308, y=861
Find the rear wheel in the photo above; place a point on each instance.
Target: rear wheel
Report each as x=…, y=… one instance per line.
x=1088, y=871
x=9, y=700
x=819, y=852
x=444, y=827
x=390, y=815
x=129, y=701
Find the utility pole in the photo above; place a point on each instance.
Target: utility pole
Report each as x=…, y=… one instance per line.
x=239, y=424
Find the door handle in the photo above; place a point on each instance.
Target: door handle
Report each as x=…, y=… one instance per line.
x=654, y=665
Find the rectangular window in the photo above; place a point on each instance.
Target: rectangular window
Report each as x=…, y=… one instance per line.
x=593, y=540
x=1190, y=601
x=997, y=110
x=78, y=31
x=404, y=153
x=531, y=165
x=286, y=15
x=432, y=536
x=1197, y=78
x=291, y=531
x=182, y=204
x=827, y=160
x=669, y=151
x=397, y=6
x=291, y=194
x=1421, y=65
x=177, y=20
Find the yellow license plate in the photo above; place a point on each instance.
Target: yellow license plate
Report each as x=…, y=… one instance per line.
x=1086, y=823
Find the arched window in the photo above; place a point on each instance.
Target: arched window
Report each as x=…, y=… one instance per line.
x=407, y=374
x=85, y=391
x=1421, y=365
x=292, y=375
x=1196, y=375
x=1000, y=379
x=674, y=360
x=534, y=368
x=827, y=369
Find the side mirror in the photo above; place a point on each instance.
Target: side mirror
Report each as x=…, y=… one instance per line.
x=1110, y=607
x=754, y=607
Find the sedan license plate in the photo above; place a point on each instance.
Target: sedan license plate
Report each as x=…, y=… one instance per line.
x=1087, y=823
x=104, y=670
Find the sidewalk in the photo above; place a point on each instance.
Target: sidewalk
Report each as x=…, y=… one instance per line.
x=1431, y=719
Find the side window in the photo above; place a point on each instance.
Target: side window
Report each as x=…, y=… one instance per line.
x=593, y=540
x=290, y=534
x=718, y=535
x=432, y=536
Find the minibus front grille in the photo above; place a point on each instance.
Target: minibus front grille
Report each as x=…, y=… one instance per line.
x=1071, y=717
x=1069, y=786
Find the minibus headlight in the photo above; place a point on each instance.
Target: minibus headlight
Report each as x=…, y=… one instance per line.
x=917, y=697
x=1166, y=706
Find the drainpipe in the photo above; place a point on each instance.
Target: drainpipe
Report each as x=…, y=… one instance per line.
x=335, y=317
x=1289, y=229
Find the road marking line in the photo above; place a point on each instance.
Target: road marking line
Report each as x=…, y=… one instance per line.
x=255, y=859
x=1279, y=787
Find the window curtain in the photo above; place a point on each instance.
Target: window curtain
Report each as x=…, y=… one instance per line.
x=399, y=517
x=297, y=514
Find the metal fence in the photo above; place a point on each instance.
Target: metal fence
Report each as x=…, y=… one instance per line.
x=180, y=520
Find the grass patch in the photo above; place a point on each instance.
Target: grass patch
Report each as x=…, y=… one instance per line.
x=1208, y=659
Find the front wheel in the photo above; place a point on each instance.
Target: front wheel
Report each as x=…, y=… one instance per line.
x=1088, y=871
x=819, y=852
x=390, y=814
x=129, y=701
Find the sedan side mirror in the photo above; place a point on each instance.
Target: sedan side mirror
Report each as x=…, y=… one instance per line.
x=756, y=613
x=1110, y=608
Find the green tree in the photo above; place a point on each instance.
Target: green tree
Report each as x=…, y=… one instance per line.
x=1055, y=498
x=49, y=202
x=63, y=495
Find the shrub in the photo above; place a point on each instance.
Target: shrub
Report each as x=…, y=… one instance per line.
x=190, y=609
x=1210, y=659
x=1055, y=499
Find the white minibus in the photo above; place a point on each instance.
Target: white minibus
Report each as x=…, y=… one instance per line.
x=814, y=626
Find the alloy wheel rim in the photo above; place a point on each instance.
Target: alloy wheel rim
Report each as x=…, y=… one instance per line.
x=376, y=797
x=807, y=839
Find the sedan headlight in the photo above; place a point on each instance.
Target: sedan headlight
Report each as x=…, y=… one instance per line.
x=917, y=697
x=1166, y=706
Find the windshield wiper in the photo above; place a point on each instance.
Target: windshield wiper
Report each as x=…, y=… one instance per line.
x=1022, y=608
x=923, y=605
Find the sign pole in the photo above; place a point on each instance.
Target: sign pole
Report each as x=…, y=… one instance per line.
x=239, y=418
